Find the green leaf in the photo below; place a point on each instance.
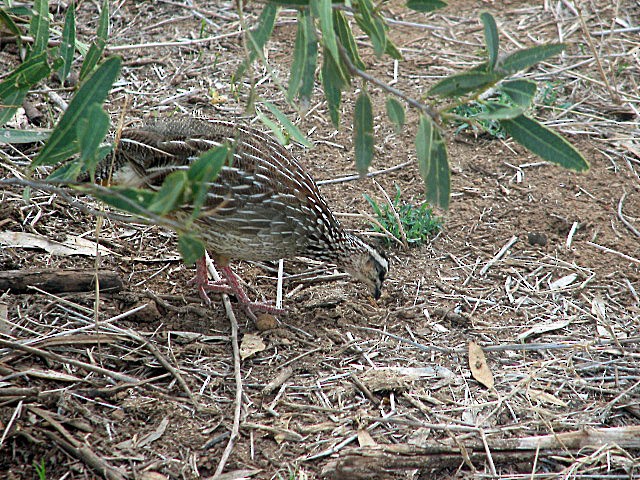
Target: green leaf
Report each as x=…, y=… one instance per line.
x=191, y=248
x=425, y=5
x=91, y=131
x=290, y=3
x=345, y=35
x=374, y=205
x=433, y=163
x=332, y=82
x=208, y=165
x=10, y=24
x=17, y=10
x=171, y=193
x=381, y=43
x=299, y=59
x=490, y=38
x=64, y=141
x=68, y=44
x=463, y=83
x=202, y=172
x=498, y=111
x=372, y=25
x=395, y=112
x=26, y=75
x=131, y=200
x=291, y=129
x=392, y=50
x=266, y=22
x=97, y=47
x=528, y=57
x=545, y=143
x=39, y=27
x=16, y=85
x=520, y=91
x=274, y=127
x=311, y=57
x=12, y=136
x=326, y=26
x=363, y=132
x=67, y=172
x=257, y=38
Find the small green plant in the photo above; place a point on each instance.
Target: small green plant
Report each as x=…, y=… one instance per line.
x=41, y=470
x=548, y=94
x=475, y=111
x=417, y=222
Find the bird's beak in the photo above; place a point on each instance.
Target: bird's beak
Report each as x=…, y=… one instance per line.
x=376, y=292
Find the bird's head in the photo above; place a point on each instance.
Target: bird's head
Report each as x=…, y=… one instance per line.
x=367, y=264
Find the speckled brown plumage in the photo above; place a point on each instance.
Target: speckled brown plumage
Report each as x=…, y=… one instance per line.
x=263, y=206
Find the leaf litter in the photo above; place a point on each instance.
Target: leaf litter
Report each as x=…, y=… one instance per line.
x=563, y=356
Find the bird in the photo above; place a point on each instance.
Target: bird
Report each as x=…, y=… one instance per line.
x=263, y=205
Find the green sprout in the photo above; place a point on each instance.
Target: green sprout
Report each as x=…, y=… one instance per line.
x=417, y=222
x=41, y=470
x=470, y=110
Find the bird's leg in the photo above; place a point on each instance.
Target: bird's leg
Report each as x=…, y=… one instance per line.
x=233, y=282
x=230, y=284
x=201, y=280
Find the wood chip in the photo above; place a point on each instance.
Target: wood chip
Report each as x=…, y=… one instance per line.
x=71, y=246
x=478, y=365
x=365, y=439
x=544, y=328
x=250, y=345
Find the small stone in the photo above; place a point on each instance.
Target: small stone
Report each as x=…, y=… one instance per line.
x=536, y=238
x=266, y=321
x=117, y=414
x=152, y=476
x=149, y=313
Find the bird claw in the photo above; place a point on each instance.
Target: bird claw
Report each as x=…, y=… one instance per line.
x=224, y=286
x=249, y=307
x=219, y=286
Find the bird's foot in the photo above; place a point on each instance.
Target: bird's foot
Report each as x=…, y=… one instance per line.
x=202, y=283
x=230, y=285
x=220, y=286
x=249, y=306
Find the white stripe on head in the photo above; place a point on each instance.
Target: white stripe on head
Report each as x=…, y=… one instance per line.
x=384, y=263
x=377, y=257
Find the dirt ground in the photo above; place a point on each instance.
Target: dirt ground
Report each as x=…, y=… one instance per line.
x=346, y=387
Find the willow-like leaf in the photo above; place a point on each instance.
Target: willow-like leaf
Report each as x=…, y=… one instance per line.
x=545, y=143
x=68, y=44
x=433, y=163
x=490, y=37
x=520, y=91
x=63, y=141
x=463, y=83
x=395, y=112
x=523, y=59
x=363, y=132
x=97, y=47
x=425, y=5
x=190, y=247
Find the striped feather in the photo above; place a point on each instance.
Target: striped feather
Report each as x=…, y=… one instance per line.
x=263, y=206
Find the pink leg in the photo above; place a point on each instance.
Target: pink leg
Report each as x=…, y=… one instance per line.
x=201, y=280
x=230, y=284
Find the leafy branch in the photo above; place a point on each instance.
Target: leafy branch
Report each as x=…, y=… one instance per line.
x=323, y=26
x=325, y=32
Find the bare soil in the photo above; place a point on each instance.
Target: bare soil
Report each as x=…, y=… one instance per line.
x=558, y=313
